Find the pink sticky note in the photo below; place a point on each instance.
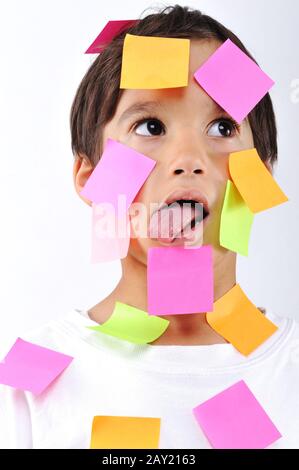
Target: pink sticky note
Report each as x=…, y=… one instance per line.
x=234, y=419
x=233, y=80
x=110, y=235
x=121, y=171
x=30, y=367
x=112, y=29
x=179, y=280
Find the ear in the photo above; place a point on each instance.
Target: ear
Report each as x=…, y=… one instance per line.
x=82, y=169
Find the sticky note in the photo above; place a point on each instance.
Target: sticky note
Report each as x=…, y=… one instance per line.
x=125, y=432
x=30, y=367
x=154, y=62
x=242, y=324
x=179, y=280
x=121, y=171
x=236, y=221
x=234, y=419
x=110, y=234
x=233, y=80
x=132, y=324
x=254, y=182
x=111, y=29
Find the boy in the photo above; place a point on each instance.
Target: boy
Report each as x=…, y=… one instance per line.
x=190, y=138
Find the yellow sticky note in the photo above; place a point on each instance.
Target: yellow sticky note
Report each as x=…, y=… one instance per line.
x=240, y=322
x=236, y=221
x=254, y=182
x=125, y=432
x=154, y=62
x=132, y=324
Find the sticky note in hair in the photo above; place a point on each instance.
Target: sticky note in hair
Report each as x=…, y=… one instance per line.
x=121, y=171
x=254, y=182
x=125, y=432
x=150, y=62
x=179, y=280
x=132, y=324
x=233, y=80
x=239, y=321
x=30, y=367
x=234, y=419
x=111, y=29
x=236, y=221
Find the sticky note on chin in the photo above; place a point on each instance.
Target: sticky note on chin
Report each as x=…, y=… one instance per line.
x=150, y=62
x=254, y=181
x=233, y=80
x=234, y=419
x=111, y=29
x=242, y=324
x=236, y=221
x=179, y=280
x=132, y=324
x=30, y=367
x=125, y=432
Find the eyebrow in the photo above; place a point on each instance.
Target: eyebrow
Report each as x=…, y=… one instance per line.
x=139, y=107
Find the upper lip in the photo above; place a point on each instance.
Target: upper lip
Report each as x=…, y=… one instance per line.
x=188, y=194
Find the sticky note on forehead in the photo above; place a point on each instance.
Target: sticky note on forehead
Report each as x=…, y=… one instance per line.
x=121, y=171
x=111, y=29
x=236, y=221
x=179, y=280
x=154, y=62
x=233, y=80
x=234, y=419
x=254, y=182
x=125, y=432
x=239, y=321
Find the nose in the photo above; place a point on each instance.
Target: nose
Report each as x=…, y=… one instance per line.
x=187, y=162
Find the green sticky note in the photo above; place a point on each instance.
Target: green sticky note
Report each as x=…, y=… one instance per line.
x=132, y=324
x=236, y=221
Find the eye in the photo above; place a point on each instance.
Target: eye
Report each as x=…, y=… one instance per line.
x=149, y=127
x=224, y=128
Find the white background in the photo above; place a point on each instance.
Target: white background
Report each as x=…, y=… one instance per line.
x=45, y=267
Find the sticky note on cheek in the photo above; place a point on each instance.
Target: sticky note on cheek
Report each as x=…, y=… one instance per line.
x=242, y=324
x=233, y=80
x=236, y=221
x=234, y=419
x=254, y=182
x=30, y=367
x=150, y=62
x=125, y=432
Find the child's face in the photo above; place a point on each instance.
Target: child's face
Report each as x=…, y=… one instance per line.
x=190, y=138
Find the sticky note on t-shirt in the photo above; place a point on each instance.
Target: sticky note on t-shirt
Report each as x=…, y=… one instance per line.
x=111, y=29
x=125, y=432
x=254, y=182
x=234, y=419
x=30, y=367
x=236, y=221
x=179, y=280
x=239, y=321
x=120, y=172
x=233, y=80
x=150, y=62
x=132, y=324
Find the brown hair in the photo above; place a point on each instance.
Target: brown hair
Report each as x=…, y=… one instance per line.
x=98, y=94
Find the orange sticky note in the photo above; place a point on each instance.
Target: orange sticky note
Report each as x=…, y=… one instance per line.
x=125, y=432
x=240, y=322
x=150, y=62
x=254, y=182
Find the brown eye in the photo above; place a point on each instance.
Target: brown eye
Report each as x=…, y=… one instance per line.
x=149, y=127
x=222, y=128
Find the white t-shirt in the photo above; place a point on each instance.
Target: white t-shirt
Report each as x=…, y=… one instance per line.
x=110, y=376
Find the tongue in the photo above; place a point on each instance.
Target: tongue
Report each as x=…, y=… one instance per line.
x=169, y=222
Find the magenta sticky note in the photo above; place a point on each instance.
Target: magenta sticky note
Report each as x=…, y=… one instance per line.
x=233, y=80
x=111, y=29
x=179, y=280
x=30, y=367
x=110, y=234
x=119, y=175
x=234, y=419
